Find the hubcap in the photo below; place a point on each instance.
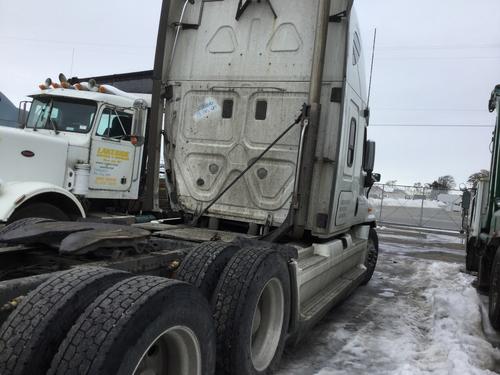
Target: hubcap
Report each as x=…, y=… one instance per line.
x=175, y=352
x=267, y=324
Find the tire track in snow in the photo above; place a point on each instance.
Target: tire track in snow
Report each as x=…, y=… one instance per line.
x=416, y=317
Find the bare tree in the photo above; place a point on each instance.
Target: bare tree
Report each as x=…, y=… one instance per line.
x=447, y=182
x=442, y=185
x=475, y=177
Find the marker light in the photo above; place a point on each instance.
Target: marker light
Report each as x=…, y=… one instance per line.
x=56, y=85
x=62, y=78
x=64, y=81
x=93, y=86
x=77, y=86
x=134, y=140
x=102, y=89
x=46, y=85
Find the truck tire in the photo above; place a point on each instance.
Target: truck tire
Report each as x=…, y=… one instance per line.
x=484, y=273
x=32, y=333
x=203, y=266
x=142, y=325
x=252, y=312
x=371, y=256
x=494, y=293
x=471, y=258
x=39, y=210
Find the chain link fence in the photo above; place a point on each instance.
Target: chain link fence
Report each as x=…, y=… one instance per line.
x=417, y=206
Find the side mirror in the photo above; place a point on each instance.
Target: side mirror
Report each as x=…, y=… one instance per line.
x=22, y=113
x=140, y=112
x=371, y=178
x=369, y=156
x=466, y=198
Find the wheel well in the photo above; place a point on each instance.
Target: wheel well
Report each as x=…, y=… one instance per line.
x=61, y=201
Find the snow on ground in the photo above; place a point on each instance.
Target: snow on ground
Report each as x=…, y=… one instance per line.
x=430, y=236
x=400, y=202
x=417, y=316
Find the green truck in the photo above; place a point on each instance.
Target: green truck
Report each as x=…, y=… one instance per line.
x=483, y=225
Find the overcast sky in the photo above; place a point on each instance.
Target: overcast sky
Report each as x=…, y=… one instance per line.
x=436, y=64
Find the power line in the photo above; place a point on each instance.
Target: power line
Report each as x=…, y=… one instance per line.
x=432, y=125
x=439, y=46
x=430, y=58
x=72, y=43
x=428, y=109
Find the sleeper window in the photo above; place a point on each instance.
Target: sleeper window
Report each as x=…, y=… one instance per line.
x=352, y=143
x=261, y=110
x=356, y=49
x=227, y=108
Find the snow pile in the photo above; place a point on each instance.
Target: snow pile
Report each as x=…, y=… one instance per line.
x=400, y=202
x=457, y=335
x=415, y=317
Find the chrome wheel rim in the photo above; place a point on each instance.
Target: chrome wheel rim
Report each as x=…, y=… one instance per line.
x=174, y=352
x=267, y=324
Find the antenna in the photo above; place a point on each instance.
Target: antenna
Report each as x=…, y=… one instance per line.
x=371, y=69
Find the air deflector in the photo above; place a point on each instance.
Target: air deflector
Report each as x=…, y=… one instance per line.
x=243, y=6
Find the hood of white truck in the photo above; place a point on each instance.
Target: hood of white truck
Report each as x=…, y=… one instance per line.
x=32, y=156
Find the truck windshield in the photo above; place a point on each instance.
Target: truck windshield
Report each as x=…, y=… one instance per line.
x=61, y=115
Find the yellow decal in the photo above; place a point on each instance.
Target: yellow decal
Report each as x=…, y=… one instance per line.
x=110, y=153
x=105, y=180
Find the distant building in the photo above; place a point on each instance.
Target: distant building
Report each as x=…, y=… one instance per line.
x=8, y=112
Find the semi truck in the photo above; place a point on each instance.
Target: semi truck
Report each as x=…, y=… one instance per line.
x=261, y=107
x=483, y=227
x=75, y=154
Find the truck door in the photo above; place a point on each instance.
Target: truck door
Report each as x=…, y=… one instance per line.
x=349, y=164
x=112, y=156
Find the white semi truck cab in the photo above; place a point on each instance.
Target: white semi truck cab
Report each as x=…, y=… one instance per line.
x=262, y=108
x=77, y=146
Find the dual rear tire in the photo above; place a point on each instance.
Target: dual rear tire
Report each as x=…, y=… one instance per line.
x=249, y=290
x=252, y=311
x=142, y=325
x=93, y=320
x=32, y=333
